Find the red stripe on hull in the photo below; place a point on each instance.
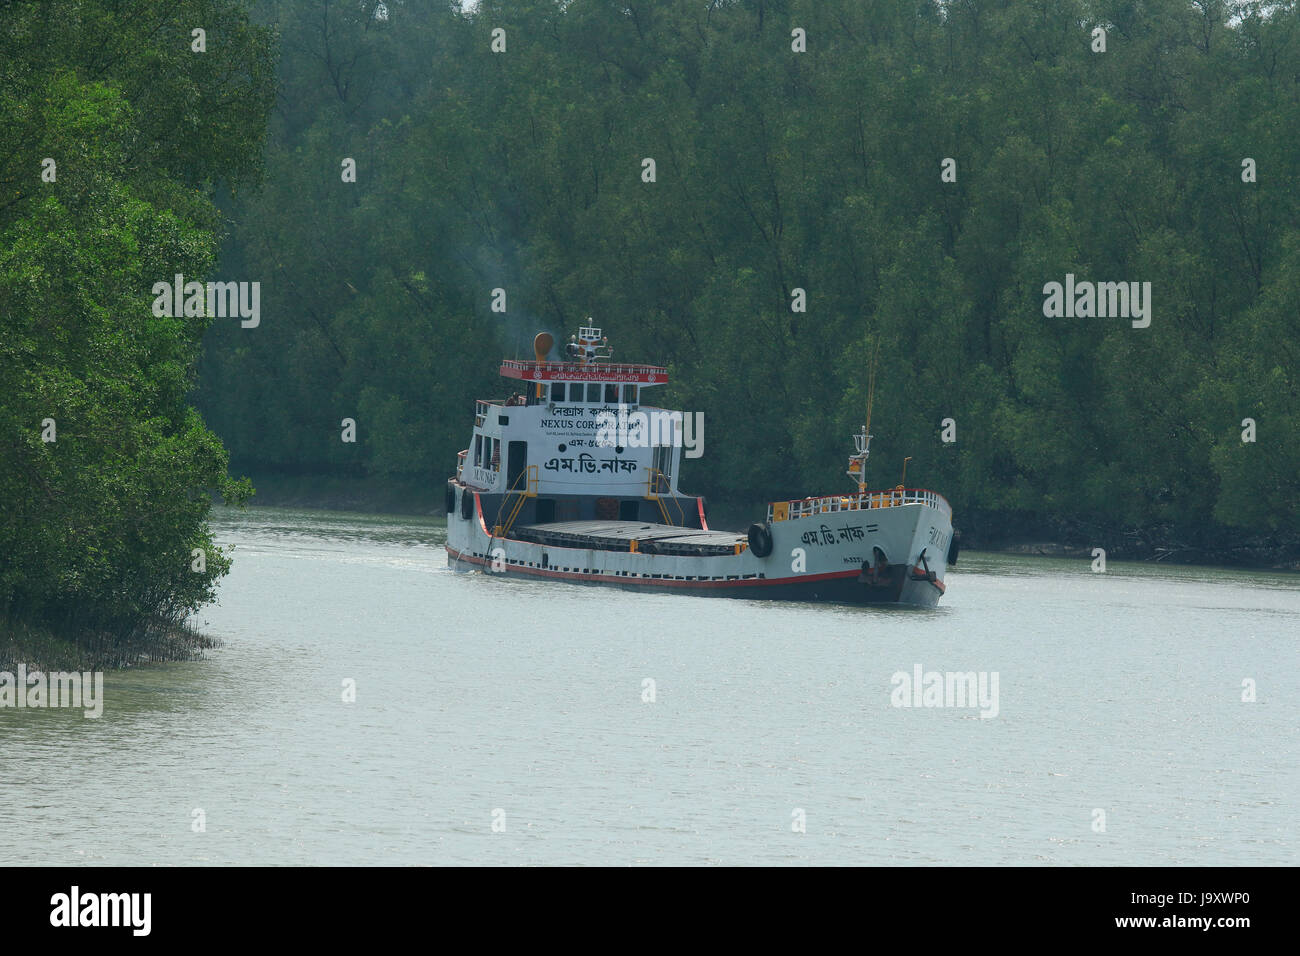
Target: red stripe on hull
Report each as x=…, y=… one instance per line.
x=840, y=587
x=657, y=582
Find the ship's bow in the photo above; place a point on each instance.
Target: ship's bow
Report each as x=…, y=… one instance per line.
x=886, y=547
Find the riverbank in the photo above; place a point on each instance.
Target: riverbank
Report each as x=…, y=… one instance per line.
x=1202, y=545
x=391, y=496
x=40, y=647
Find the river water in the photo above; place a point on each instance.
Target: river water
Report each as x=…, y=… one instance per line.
x=503, y=722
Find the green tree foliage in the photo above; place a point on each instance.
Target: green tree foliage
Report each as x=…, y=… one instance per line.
x=98, y=526
x=776, y=171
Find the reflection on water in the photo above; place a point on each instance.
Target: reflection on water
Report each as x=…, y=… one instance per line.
x=1119, y=692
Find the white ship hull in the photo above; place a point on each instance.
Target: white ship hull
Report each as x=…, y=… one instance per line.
x=882, y=548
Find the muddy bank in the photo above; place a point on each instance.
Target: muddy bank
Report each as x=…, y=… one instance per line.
x=40, y=647
x=1202, y=544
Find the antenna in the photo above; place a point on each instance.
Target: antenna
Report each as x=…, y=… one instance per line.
x=858, y=463
x=871, y=379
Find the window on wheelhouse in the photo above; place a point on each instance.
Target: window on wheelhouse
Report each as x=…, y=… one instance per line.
x=557, y=391
x=593, y=393
x=611, y=394
x=629, y=394
x=478, y=451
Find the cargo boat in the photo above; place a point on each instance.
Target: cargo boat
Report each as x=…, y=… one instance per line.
x=569, y=479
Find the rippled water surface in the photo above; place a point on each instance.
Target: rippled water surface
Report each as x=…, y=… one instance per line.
x=481, y=699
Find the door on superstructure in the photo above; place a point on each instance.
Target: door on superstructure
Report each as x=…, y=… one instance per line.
x=662, y=463
x=516, y=464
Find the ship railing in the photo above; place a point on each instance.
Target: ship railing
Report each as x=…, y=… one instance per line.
x=617, y=368
x=460, y=463
x=859, y=501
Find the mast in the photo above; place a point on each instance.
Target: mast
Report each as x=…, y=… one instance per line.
x=858, y=463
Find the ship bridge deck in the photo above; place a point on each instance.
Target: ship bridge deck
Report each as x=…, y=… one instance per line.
x=619, y=535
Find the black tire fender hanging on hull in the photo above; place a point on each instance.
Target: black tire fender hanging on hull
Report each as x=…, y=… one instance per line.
x=466, y=503
x=760, y=539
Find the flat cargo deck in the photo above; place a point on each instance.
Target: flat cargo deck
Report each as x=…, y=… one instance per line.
x=619, y=535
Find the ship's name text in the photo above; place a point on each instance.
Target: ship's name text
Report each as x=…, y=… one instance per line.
x=825, y=535
x=586, y=463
